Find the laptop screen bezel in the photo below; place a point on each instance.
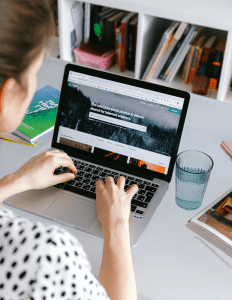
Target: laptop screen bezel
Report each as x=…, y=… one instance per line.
x=133, y=170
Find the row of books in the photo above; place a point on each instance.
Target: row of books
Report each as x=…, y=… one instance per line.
x=183, y=44
x=39, y=119
x=104, y=36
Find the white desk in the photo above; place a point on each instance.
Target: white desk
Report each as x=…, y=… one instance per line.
x=169, y=262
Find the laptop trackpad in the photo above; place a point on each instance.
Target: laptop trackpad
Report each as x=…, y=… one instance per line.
x=73, y=210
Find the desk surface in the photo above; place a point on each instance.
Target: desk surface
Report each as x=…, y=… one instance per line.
x=169, y=262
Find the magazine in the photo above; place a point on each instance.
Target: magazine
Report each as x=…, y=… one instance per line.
x=214, y=223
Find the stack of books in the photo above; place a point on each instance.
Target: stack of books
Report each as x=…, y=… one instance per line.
x=214, y=223
x=105, y=36
x=184, y=47
x=39, y=119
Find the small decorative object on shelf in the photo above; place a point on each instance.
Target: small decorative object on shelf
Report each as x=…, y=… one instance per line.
x=95, y=56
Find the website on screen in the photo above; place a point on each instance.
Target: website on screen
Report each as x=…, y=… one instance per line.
x=126, y=124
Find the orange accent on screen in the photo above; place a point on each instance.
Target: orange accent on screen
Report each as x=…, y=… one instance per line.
x=152, y=167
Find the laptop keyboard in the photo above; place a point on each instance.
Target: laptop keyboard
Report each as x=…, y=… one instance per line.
x=84, y=184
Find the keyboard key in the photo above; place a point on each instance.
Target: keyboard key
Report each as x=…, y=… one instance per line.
x=86, y=180
x=81, y=167
x=81, y=173
x=138, y=203
x=92, y=189
x=141, y=186
x=142, y=192
x=79, y=178
x=139, y=212
x=95, y=177
x=133, y=209
x=103, y=174
x=141, y=198
x=88, y=170
x=95, y=172
x=86, y=187
x=87, y=175
x=71, y=182
x=79, y=184
x=150, y=189
x=154, y=185
x=59, y=185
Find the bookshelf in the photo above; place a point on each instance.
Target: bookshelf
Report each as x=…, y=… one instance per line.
x=154, y=18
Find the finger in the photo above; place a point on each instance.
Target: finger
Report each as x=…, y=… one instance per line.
x=54, y=151
x=100, y=185
x=132, y=190
x=63, y=178
x=66, y=163
x=109, y=180
x=121, y=182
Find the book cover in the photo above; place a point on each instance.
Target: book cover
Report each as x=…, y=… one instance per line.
x=110, y=24
x=78, y=16
x=162, y=47
x=214, y=223
x=201, y=55
x=41, y=114
x=215, y=64
x=131, y=44
x=181, y=54
x=175, y=51
x=124, y=24
x=180, y=30
x=87, y=7
x=199, y=40
x=118, y=46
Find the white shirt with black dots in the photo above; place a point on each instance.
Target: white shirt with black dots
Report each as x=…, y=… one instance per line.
x=42, y=261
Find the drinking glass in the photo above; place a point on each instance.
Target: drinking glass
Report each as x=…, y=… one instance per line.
x=193, y=169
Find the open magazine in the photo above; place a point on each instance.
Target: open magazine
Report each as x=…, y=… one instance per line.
x=214, y=223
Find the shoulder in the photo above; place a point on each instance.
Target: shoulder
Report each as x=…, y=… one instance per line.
x=43, y=260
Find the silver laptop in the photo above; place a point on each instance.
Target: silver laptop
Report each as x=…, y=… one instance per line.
x=110, y=126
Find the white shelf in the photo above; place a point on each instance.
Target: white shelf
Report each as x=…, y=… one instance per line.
x=154, y=18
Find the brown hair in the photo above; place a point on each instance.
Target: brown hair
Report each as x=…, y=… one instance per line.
x=25, y=26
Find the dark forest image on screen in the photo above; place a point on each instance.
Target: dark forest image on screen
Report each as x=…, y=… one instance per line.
x=160, y=135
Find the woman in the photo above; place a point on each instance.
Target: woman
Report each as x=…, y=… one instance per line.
x=43, y=261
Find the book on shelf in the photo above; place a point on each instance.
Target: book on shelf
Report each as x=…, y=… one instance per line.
x=10, y=137
x=176, y=51
x=131, y=44
x=178, y=34
x=215, y=64
x=77, y=11
x=118, y=47
x=181, y=54
x=97, y=23
x=124, y=25
x=200, y=82
x=86, y=22
x=111, y=24
x=201, y=56
x=214, y=223
x=160, y=50
x=195, y=46
x=40, y=116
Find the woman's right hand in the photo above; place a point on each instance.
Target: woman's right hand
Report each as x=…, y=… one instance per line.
x=112, y=202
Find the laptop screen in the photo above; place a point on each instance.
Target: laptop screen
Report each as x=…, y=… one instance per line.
x=127, y=125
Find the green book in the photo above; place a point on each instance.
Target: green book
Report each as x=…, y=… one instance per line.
x=41, y=115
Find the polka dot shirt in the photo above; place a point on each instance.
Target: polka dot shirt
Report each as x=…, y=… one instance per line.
x=42, y=261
